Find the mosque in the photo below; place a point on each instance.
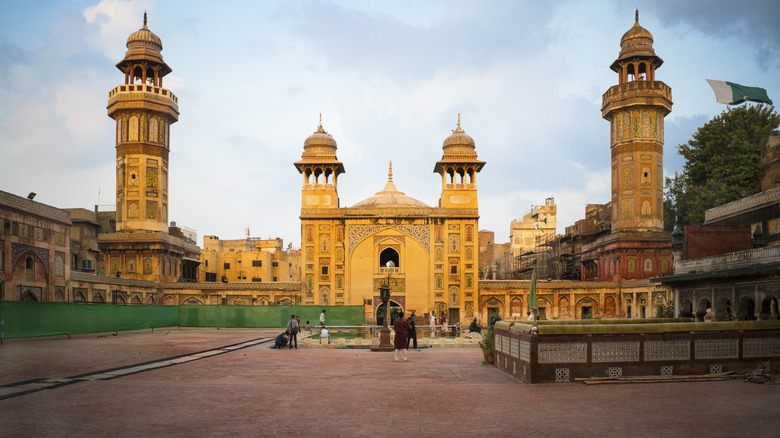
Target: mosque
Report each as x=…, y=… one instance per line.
x=427, y=255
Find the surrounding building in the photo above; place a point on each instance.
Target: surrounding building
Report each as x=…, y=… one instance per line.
x=429, y=255
x=34, y=257
x=142, y=247
x=730, y=267
x=537, y=225
x=248, y=260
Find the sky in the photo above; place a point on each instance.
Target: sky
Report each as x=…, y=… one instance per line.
x=389, y=79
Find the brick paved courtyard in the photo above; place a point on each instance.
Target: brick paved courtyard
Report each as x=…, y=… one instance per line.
x=206, y=382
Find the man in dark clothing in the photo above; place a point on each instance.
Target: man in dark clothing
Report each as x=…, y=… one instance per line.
x=494, y=318
x=293, y=328
x=474, y=328
x=412, y=332
x=281, y=340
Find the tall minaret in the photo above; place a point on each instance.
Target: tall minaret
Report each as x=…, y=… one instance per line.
x=320, y=169
x=458, y=168
x=144, y=112
x=636, y=108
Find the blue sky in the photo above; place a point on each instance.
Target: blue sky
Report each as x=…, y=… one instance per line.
x=389, y=79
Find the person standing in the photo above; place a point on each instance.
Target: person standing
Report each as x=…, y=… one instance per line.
x=293, y=328
x=322, y=318
x=400, y=342
x=412, y=331
x=433, y=322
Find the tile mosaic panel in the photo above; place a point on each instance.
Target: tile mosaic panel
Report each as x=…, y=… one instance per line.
x=570, y=352
x=761, y=347
x=716, y=368
x=514, y=347
x=615, y=371
x=615, y=351
x=764, y=365
x=667, y=350
x=667, y=370
x=717, y=348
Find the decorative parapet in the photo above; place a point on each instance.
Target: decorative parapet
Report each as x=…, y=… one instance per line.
x=24, y=204
x=147, y=237
x=741, y=206
x=111, y=280
x=487, y=285
x=388, y=212
x=279, y=286
x=735, y=260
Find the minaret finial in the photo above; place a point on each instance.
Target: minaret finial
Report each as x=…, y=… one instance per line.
x=390, y=172
x=319, y=128
x=320, y=120
x=144, y=18
x=636, y=15
x=458, y=129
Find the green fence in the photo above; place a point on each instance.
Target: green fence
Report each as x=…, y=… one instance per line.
x=20, y=319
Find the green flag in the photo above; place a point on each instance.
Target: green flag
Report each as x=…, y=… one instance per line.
x=733, y=94
x=533, y=304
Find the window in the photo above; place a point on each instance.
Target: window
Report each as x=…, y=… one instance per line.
x=29, y=268
x=226, y=266
x=86, y=264
x=256, y=279
x=324, y=270
x=388, y=258
x=274, y=264
x=274, y=278
x=257, y=263
x=454, y=269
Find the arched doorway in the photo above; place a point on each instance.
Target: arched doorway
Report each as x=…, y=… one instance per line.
x=747, y=309
x=686, y=309
x=723, y=310
x=394, y=310
x=768, y=308
x=702, y=309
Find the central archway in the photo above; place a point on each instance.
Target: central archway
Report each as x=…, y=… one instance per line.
x=394, y=310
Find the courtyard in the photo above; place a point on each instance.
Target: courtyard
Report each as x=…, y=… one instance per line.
x=229, y=382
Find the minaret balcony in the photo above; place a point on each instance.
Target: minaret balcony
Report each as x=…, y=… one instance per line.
x=142, y=96
x=636, y=93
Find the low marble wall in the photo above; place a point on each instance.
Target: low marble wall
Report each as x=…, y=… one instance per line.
x=569, y=351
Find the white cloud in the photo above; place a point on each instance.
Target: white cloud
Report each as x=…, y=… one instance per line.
x=115, y=21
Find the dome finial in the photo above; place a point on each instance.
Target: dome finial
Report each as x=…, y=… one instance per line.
x=458, y=129
x=390, y=172
x=144, y=18
x=636, y=15
x=319, y=128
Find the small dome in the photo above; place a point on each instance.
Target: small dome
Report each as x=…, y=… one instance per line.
x=390, y=197
x=638, y=41
x=144, y=37
x=320, y=143
x=459, y=143
x=144, y=46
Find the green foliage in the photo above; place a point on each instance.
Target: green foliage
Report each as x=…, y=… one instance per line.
x=487, y=341
x=665, y=311
x=722, y=163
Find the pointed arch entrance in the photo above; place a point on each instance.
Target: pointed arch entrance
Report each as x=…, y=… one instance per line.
x=395, y=309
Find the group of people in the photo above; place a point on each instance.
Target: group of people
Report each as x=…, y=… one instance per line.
x=290, y=335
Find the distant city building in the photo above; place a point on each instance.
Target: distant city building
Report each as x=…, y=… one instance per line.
x=248, y=260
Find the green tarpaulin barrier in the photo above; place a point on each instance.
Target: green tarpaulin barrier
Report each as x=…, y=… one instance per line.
x=19, y=319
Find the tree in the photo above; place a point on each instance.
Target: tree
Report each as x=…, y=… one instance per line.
x=722, y=163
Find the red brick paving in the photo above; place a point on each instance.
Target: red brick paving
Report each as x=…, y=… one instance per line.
x=256, y=391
